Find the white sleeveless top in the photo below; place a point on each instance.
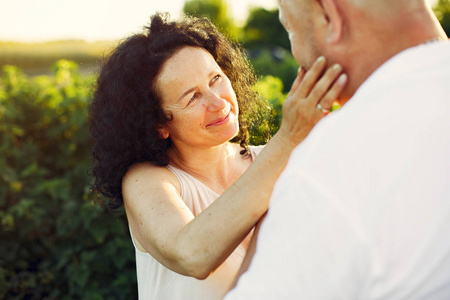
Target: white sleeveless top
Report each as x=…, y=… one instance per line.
x=155, y=281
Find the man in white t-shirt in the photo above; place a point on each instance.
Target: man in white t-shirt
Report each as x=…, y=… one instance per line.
x=362, y=211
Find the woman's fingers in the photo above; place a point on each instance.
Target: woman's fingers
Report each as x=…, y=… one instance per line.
x=310, y=88
x=333, y=93
x=300, y=74
x=311, y=77
x=327, y=88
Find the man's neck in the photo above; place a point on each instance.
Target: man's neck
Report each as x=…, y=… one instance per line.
x=417, y=28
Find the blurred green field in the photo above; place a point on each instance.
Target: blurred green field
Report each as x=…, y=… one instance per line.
x=36, y=58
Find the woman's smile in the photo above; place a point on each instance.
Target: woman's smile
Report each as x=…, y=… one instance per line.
x=220, y=121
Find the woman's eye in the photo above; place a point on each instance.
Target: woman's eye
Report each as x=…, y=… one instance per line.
x=215, y=78
x=192, y=98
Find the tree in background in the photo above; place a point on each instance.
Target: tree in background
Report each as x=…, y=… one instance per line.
x=268, y=46
x=275, y=62
x=216, y=11
x=442, y=11
x=263, y=29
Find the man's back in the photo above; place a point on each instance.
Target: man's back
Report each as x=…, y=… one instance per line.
x=362, y=210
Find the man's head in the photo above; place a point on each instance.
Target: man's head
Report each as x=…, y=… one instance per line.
x=358, y=34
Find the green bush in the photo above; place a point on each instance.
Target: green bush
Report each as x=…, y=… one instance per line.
x=55, y=242
x=275, y=62
x=271, y=89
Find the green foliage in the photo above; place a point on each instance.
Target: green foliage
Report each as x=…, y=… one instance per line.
x=268, y=45
x=216, y=11
x=55, y=242
x=442, y=11
x=263, y=29
x=271, y=89
x=276, y=62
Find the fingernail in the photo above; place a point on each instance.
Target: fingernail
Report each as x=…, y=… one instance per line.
x=337, y=67
x=342, y=79
x=321, y=59
x=299, y=69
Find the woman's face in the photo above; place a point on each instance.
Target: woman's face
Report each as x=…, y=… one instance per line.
x=200, y=98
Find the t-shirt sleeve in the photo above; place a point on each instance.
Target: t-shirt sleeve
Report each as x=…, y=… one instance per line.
x=308, y=247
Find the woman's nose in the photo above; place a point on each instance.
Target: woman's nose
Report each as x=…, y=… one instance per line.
x=215, y=102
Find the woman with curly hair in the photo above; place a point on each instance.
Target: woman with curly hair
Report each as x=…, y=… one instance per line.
x=169, y=121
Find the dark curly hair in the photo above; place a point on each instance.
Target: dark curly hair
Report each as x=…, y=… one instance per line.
x=126, y=110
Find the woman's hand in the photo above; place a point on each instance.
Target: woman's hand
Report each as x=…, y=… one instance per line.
x=311, y=97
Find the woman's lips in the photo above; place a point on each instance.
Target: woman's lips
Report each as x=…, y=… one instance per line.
x=220, y=121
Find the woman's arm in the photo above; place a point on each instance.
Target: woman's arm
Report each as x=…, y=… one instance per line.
x=166, y=228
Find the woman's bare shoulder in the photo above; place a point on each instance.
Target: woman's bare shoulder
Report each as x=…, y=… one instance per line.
x=149, y=175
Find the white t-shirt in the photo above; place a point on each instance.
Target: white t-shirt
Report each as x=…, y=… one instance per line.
x=362, y=211
x=157, y=282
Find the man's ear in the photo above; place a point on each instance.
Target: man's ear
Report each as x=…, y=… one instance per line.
x=334, y=20
x=163, y=132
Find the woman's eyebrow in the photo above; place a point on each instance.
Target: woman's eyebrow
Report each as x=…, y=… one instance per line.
x=185, y=93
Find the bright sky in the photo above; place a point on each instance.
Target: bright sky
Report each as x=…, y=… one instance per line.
x=44, y=20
